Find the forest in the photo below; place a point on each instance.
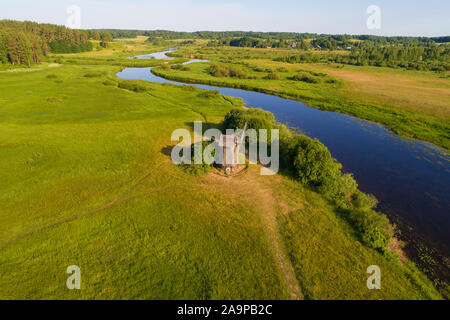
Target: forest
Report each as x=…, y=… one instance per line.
x=411, y=57
x=27, y=42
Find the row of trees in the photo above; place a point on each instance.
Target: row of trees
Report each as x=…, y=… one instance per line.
x=220, y=35
x=26, y=42
x=329, y=42
x=435, y=56
x=259, y=43
x=114, y=33
x=106, y=36
x=290, y=36
x=410, y=56
x=20, y=48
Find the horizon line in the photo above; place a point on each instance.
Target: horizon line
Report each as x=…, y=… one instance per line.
x=211, y=30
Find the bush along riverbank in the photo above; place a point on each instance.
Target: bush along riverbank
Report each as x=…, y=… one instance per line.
x=311, y=164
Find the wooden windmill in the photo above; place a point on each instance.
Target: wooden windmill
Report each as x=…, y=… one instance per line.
x=231, y=145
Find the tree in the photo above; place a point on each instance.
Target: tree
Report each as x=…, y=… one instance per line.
x=313, y=163
x=3, y=48
x=95, y=35
x=105, y=38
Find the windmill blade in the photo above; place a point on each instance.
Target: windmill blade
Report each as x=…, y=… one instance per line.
x=243, y=133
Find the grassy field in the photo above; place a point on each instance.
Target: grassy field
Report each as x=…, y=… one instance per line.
x=86, y=179
x=410, y=103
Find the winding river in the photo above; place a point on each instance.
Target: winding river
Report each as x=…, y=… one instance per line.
x=410, y=178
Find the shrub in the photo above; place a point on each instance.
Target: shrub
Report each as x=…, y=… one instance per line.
x=374, y=228
x=237, y=73
x=109, y=83
x=58, y=60
x=255, y=118
x=218, y=71
x=189, y=88
x=258, y=69
x=227, y=72
x=305, y=77
x=209, y=94
x=272, y=76
x=93, y=74
x=339, y=188
x=364, y=201
x=132, y=86
x=313, y=163
x=198, y=169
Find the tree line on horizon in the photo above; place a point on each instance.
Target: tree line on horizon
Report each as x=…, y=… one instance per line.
x=272, y=36
x=412, y=56
x=26, y=43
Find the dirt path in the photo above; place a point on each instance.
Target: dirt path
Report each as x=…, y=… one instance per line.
x=248, y=188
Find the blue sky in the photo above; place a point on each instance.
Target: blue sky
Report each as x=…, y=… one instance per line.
x=398, y=17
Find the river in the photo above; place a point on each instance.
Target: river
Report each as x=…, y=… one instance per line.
x=410, y=178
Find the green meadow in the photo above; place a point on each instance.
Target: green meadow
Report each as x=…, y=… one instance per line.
x=86, y=179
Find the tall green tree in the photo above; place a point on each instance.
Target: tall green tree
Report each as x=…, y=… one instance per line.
x=105, y=38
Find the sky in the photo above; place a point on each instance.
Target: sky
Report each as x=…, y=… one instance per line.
x=397, y=17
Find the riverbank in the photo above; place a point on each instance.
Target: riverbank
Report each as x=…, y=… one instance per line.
x=334, y=94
